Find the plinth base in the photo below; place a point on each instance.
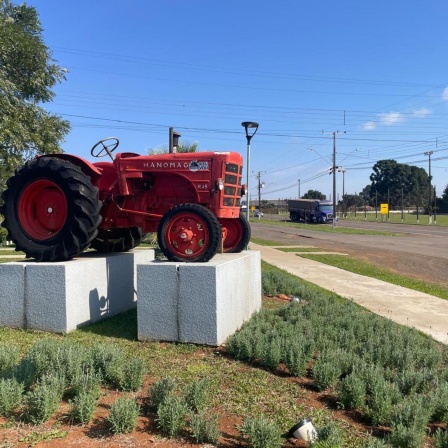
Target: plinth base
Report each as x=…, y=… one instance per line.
x=201, y=303
x=59, y=297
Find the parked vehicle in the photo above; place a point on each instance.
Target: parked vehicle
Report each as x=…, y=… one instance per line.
x=311, y=210
x=58, y=205
x=258, y=214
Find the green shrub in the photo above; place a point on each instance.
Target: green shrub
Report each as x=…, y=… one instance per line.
x=86, y=381
x=197, y=394
x=278, y=282
x=123, y=415
x=381, y=399
x=205, y=427
x=132, y=375
x=159, y=391
x=42, y=402
x=83, y=406
x=326, y=373
x=261, y=433
x=240, y=346
x=440, y=438
x=25, y=372
x=296, y=360
x=9, y=358
x=272, y=353
x=329, y=436
x=109, y=360
x=171, y=415
x=416, y=381
x=439, y=400
x=376, y=443
x=46, y=356
x=351, y=392
x=402, y=436
x=10, y=396
x=74, y=357
x=413, y=412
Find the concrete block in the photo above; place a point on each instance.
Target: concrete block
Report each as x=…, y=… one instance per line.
x=158, y=291
x=202, y=303
x=59, y=297
x=12, y=295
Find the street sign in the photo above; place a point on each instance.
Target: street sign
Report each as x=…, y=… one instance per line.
x=384, y=210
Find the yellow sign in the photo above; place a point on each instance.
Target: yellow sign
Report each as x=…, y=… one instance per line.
x=252, y=207
x=384, y=209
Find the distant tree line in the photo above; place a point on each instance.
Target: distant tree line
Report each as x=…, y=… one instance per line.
x=397, y=184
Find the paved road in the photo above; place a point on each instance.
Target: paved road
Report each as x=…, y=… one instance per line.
x=428, y=241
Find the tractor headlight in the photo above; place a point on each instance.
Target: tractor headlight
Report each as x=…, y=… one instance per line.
x=219, y=184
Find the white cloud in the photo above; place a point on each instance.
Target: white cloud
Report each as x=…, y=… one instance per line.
x=445, y=94
x=369, y=126
x=422, y=113
x=390, y=118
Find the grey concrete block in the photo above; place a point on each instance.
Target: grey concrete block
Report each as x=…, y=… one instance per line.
x=12, y=295
x=207, y=303
x=158, y=301
x=59, y=297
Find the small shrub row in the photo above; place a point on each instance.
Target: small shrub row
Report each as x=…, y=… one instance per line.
x=370, y=364
x=175, y=408
x=51, y=369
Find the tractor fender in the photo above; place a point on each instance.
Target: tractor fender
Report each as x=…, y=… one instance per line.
x=87, y=167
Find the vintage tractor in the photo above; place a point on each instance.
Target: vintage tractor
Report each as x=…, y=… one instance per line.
x=56, y=206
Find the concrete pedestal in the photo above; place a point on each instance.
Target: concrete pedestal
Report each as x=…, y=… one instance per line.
x=59, y=297
x=202, y=303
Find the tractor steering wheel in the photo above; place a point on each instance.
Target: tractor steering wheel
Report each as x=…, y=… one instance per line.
x=109, y=145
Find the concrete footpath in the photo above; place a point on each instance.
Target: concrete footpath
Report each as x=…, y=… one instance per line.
x=405, y=306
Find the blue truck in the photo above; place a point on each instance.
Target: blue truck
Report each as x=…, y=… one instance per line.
x=311, y=210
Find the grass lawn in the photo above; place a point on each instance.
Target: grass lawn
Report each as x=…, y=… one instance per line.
x=408, y=218
x=328, y=228
x=370, y=270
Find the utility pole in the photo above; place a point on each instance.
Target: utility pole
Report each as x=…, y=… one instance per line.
x=333, y=170
x=342, y=170
x=299, y=189
x=429, y=154
x=260, y=186
x=435, y=205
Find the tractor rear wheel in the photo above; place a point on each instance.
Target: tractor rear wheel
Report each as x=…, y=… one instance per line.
x=237, y=234
x=51, y=209
x=117, y=240
x=189, y=232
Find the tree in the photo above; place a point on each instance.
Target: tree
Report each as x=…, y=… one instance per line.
x=183, y=147
x=314, y=194
x=353, y=200
x=442, y=202
x=392, y=180
x=27, y=76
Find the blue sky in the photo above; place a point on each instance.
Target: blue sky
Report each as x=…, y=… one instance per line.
x=375, y=72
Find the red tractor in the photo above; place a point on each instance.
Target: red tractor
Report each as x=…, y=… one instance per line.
x=56, y=206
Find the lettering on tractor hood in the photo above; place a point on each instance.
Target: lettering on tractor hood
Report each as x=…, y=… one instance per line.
x=193, y=165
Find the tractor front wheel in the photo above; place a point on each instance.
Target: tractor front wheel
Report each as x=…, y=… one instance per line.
x=51, y=209
x=237, y=234
x=189, y=232
x=117, y=240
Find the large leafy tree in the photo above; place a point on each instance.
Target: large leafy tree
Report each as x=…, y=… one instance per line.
x=442, y=203
x=314, y=194
x=27, y=75
x=392, y=180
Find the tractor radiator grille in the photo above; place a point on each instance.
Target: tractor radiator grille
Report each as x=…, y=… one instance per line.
x=232, y=185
